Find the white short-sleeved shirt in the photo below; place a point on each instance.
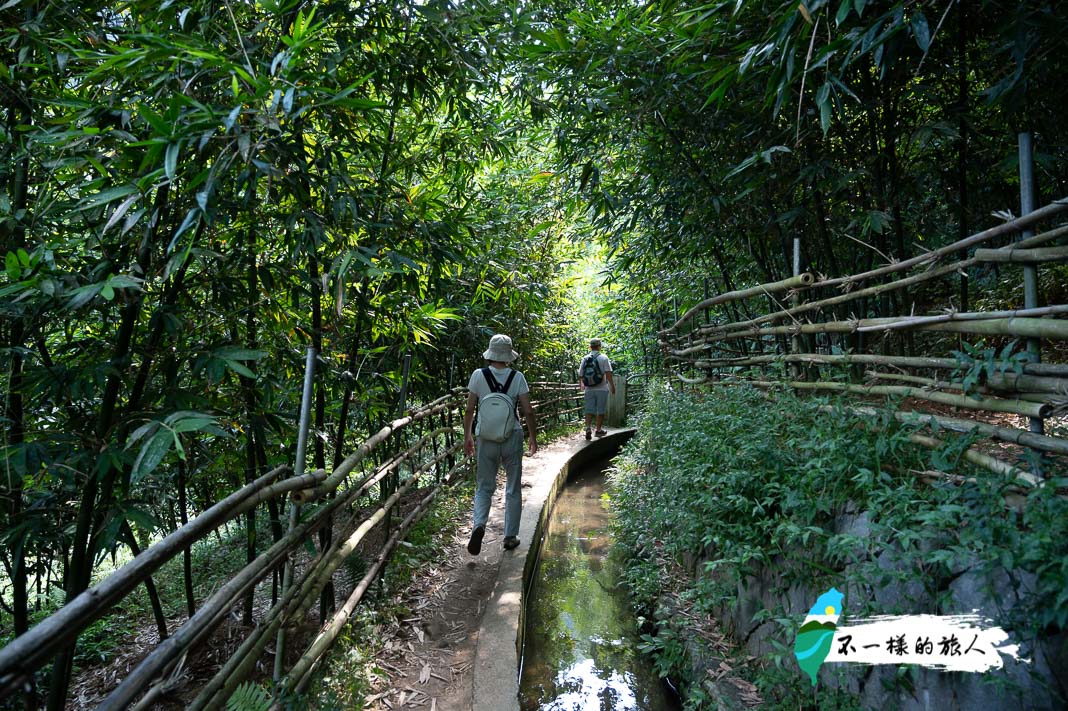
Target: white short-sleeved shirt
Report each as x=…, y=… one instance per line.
x=478, y=385
x=606, y=367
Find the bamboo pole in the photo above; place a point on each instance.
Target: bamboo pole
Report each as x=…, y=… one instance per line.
x=1021, y=327
x=1012, y=435
x=944, y=385
x=1016, y=407
x=299, y=675
x=1052, y=210
x=916, y=321
x=796, y=282
x=1022, y=256
x=1014, y=497
x=1053, y=371
x=1039, y=239
x=876, y=290
x=992, y=464
x=1024, y=438
x=853, y=295
x=28, y=652
x=311, y=494
x=442, y=404
x=1028, y=383
x=207, y=618
x=237, y=668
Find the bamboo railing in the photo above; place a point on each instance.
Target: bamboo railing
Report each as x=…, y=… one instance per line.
x=417, y=455
x=807, y=343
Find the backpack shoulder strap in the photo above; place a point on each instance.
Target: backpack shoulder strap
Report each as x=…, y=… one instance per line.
x=508, y=382
x=491, y=381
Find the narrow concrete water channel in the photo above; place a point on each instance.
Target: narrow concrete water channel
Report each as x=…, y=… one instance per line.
x=580, y=646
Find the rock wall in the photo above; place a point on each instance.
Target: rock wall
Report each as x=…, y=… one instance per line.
x=1040, y=684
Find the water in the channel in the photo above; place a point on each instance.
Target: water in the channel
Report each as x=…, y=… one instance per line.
x=580, y=648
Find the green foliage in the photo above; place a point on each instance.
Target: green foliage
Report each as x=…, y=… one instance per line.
x=249, y=697
x=706, y=495
x=975, y=364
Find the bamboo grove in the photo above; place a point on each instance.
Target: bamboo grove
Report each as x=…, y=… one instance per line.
x=708, y=136
x=190, y=195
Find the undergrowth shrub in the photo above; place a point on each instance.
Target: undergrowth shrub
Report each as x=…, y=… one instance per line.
x=719, y=484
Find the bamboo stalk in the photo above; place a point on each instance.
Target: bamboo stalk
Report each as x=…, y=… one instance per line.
x=739, y=326
x=797, y=282
x=917, y=321
x=237, y=668
x=1012, y=435
x=349, y=463
x=1054, y=445
x=1024, y=256
x=1028, y=383
x=1038, y=239
x=1013, y=496
x=1016, y=407
x=210, y=613
x=881, y=288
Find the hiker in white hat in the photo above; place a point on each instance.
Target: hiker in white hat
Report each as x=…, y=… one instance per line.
x=495, y=391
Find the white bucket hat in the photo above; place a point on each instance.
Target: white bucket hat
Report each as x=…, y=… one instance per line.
x=500, y=348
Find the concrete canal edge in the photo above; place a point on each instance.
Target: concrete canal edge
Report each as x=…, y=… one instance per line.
x=495, y=676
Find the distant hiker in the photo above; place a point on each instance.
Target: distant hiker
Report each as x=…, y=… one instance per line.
x=595, y=377
x=496, y=391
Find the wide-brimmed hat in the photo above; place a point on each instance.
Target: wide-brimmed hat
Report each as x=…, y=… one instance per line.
x=500, y=349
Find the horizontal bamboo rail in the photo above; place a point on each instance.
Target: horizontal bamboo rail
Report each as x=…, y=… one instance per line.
x=1053, y=445
x=1052, y=370
x=981, y=459
x=1023, y=256
x=1018, y=224
x=28, y=652
x=928, y=275
x=930, y=383
x=798, y=282
x=1016, y=326
x=1016, y=407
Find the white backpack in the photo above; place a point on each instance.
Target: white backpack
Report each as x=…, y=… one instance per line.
x=496, y=411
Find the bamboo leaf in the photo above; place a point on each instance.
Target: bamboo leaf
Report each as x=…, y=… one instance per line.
x=170, y=163
x=151, y=454
x=921, y=31
x=109, y=195
x=120, y=211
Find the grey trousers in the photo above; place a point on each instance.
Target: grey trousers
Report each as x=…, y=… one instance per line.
x=491, y=455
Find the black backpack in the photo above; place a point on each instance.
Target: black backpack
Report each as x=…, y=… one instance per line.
x=591, y=370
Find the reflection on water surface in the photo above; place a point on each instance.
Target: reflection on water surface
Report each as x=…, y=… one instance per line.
x=580, y=646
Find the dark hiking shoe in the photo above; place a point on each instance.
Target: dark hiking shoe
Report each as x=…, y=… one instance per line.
x=601, y=433
x=588, y=436
x=474, y=546
x=511, y=542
